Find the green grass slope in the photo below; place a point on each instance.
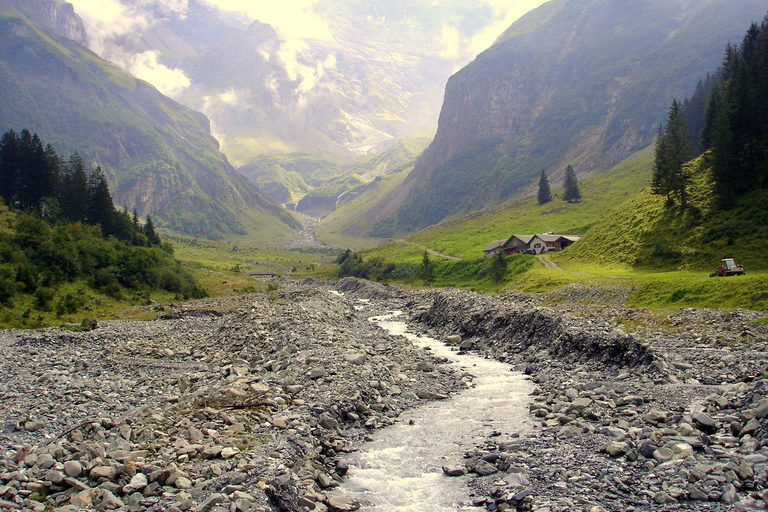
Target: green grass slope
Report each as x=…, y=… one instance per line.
x=645, y=234
x=467, y=237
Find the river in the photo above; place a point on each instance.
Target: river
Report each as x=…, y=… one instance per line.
x=401, y=468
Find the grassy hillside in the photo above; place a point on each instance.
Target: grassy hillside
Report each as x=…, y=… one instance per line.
x=467, y=237
x=646, y=234
x=633, y=246
x=347, y=225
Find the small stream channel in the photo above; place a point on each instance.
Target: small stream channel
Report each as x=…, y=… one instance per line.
x=401, y=469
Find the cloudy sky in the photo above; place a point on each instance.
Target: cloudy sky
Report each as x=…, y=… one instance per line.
x=296, y=21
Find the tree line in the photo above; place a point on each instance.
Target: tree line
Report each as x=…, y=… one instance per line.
x=62, y=238
x=34, y=178
x=726, y=116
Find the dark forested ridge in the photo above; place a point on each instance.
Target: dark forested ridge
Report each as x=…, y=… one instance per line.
x=727, y=116
x=33, y=178
x=63, y=228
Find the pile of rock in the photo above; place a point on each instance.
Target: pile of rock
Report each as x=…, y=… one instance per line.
x=683, y=427
x=204, y=411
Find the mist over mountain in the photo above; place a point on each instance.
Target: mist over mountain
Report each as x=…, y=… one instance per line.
x=579, y=82
x=159, y=155
x=374, y=73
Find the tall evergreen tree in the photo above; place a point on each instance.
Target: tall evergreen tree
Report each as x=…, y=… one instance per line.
x=673, y=150
x=149, y=231
x=100, y=208
x=695, y=109
x=73, y=189
x=545, y=194
x=571, y=192
x=9, y=165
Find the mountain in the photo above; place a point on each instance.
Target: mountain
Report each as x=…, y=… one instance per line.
x=159, y=156
x=377, y=76
x=579, y=82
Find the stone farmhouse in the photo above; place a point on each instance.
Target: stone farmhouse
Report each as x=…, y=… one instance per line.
x=531, y=244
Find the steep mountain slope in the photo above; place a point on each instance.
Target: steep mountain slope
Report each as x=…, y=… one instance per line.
x=580, y=82
x=158, y=154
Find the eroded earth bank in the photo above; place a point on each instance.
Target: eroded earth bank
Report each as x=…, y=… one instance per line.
x=244, y=404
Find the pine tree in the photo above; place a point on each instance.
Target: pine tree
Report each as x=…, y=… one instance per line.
x=498, y=266
x=427, y=270
x=571, y=192
x=9, y=165
x=100, y=209
x=673, y=151
x=545, y=194
x=149, y=231
x=73, y=189
x=736, y=125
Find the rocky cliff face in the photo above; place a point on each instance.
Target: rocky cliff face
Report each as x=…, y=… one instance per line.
x=57, y=15
x=580, y=82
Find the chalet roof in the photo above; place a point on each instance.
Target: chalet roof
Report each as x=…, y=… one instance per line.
x=548, y=237
x=526, y=239
x=494, y=245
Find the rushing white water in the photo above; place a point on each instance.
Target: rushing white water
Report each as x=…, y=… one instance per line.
x=401, y=469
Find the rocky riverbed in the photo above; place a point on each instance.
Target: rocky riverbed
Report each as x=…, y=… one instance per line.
x=244, y=404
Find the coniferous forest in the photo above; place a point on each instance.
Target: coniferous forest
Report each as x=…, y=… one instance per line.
x=726, y=116
x=59, y=225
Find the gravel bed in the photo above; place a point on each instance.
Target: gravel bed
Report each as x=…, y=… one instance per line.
x=243, y=404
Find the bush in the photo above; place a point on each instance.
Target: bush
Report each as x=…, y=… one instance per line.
x=43, y=297
x=70, y=303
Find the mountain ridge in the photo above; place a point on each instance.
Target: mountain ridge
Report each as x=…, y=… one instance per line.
x=160, y=156
x=580, y=82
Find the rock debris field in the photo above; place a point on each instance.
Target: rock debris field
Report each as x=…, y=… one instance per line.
x=244, y=404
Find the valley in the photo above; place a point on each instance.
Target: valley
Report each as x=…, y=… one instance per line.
x=287, y=265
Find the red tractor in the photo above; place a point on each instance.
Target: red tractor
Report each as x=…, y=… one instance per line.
x=728, y=267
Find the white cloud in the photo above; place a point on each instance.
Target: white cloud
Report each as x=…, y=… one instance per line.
x=108, y=22
x=452, y=43
x=307, y=72
x=169, y=81
x=505, y=14
x=292, y=19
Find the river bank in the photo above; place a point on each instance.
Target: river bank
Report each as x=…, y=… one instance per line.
x=245, y=404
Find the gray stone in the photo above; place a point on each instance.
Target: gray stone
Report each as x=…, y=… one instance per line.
x=454, y=470
x=73, y=468
x=704, y=422
x=579, y=404
x=358, y=358
x=342, y=503
x=484, y=468
x=616, y=448
x=210, y=502
x=108, y=472
x=729, y=494
x=663, y=454
x=109, y=502
x=761, y=411
x=138, y=483
x=695, y=493
x=453, y=339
